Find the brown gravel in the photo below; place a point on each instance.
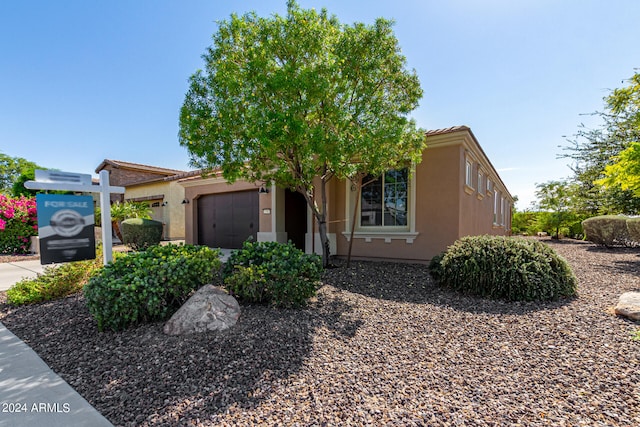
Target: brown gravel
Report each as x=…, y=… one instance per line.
x=17, y=258
x=380, y=345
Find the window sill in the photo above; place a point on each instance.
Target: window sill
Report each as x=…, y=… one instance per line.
x=480, y=196
x=388, y=236
x=469, y=190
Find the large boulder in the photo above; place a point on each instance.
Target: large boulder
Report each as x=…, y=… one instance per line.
x=629, y=305
x=209, y=309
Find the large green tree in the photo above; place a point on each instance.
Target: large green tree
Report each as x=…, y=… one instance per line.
x=593, y=150
x=301, y=99
x=624, y=171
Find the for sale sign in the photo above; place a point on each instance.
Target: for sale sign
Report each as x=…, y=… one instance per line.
x=65, y=228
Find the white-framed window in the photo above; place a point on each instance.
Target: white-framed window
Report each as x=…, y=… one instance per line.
x=385, y=199
x=502, y=209
x=480, y=184
x=468, y=173
x=496, y=207
x=507, y=213
x=489, y=187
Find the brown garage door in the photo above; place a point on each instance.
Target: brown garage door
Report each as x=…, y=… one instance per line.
x=226, y=220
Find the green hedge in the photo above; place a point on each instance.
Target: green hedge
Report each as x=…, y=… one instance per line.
x=633, y=228
x=607, y=230
x=510, y=268
x=150, y=285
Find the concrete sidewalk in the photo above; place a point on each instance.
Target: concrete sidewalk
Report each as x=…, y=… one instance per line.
x=12, y=272
x=31, y=394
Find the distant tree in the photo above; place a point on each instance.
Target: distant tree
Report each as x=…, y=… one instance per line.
x=18, y=189
x=10, y=170
x=299, y=100
x=523, y=222
x=556, y=198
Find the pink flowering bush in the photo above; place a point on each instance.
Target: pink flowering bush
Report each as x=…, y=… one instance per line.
x=18, y=222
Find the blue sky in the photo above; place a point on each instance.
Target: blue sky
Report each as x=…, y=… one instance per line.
x=81, y=81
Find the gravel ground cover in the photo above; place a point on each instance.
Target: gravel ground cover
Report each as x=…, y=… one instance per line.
x=380, y=345
x=17, y=258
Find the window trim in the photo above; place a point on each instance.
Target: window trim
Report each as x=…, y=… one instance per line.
x=378, y=228
x=407, y=236
x=496, y=219
x=489, y=186
x=468, y=175
x=481, y=183
x=407, y=233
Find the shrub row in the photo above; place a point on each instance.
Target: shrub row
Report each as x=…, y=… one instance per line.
x=151, y=285
x=612, y=230
x=508, y=268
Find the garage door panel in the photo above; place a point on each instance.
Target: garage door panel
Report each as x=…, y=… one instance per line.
x=226, y=220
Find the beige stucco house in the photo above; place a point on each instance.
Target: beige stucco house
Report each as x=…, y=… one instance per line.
x=454, y=192
x=154, y=185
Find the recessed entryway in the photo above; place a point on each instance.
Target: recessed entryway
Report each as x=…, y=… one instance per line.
x=295, y=218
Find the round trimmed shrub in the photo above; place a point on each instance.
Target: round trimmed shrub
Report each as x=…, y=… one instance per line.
x=607, y=230
x=140, y=233
x=510, y=268
x=150, y=285
x=273, y=273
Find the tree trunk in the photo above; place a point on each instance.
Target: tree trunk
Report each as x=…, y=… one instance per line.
x=115, y=226
x=320, y=214
x=322, y=223
x=353, y=222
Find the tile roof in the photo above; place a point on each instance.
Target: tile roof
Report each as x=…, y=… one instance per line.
x=446, y=130
x=194, y=174
x=138, y=166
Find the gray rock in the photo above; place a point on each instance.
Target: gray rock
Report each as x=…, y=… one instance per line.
x=629, y=305
x=209, y=309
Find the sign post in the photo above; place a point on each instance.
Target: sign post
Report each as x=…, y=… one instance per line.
x=66, y=181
